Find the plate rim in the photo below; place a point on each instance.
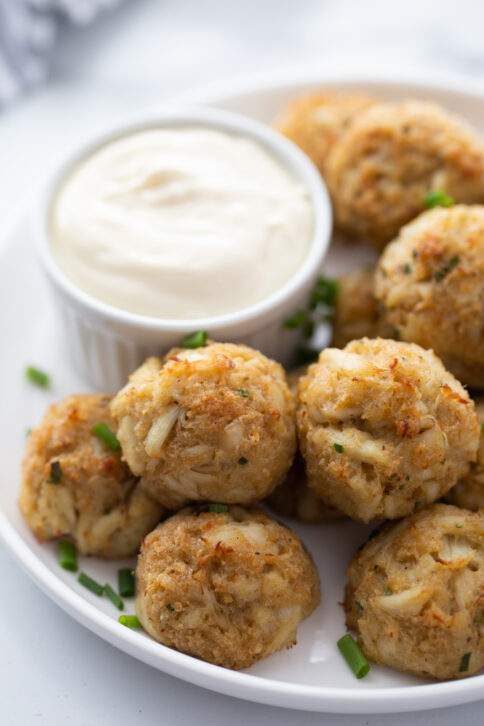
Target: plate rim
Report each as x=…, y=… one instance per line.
x=243, y=685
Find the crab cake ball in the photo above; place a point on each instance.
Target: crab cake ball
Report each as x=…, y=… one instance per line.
x=74, y=486
x=415, y=594
x=384, y=428
x=211, y=424
x=357, y=312
x=316, y=121
x=469, y=492
x=229, y=587
x=391, y=157
x=294, y=498
x=430, y=282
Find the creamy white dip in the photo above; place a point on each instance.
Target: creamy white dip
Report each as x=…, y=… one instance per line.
x=180, y=223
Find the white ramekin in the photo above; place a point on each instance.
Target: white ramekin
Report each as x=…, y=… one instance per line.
x=105, y=344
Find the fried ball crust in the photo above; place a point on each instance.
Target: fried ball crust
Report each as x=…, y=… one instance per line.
x=469, y=492
x=384, y=428
x=357, y=312
x=430, y=283
x=229, y=588
x=211, y=424
x=74, y=486
x=391, y=157
x=316, y=121
x=415, y=594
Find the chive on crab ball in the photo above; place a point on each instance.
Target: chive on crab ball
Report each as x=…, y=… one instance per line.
x=391, y=157
x=211, y=424
x=225, y=584
x=430, y=284
x=469, y=492
x=415, y=594
x=316, y=121
x=384, y=428
x=75, y=485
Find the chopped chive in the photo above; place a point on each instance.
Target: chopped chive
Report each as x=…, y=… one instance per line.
x=445, y=269
x=325, y=291
x=108, y=437
x=130, y=621
x=28, y=431
x=113, y=596
x=90, y=584
x=350, y=650
x=67, y=555
x=297, y=320
x=126, y=582
x=242, y=392
x=306, y=355
x=407, y=268
x=459, y=525
x=464, y=662
x=482, y=426
x=243, y=461
x=38, y=377
x=339, y=448
x=438, y=199
x=195, y=340
x=218, y=508
x=55, y=472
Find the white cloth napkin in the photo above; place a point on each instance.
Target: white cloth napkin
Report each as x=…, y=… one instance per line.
x=28, y=34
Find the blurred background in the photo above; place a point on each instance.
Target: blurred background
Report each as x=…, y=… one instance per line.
x=67, y=66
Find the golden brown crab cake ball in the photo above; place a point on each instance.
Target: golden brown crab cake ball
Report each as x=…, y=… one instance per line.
x=294, y=498
x=391, y=157
x=430, y=283
x=415, y=594
x=384, y=428
x=76, y=486
x=357, y=312
x=315, y=121
x=469, y=492
x=211, y=424
x=229, y=586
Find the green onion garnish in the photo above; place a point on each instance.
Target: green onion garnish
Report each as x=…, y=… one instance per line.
x=28, y=431
x=464, y=662
x=297, y=320
x=350, y=650
x=108, y=437
x=38, y=377
x=482, y=426
x=339, y=448
x=130, y=621
x=67, y=555
x=90, y=584
x=445, y=269
x=407, y=268
x=243, y=461
x=113, y=596
x=218, y=508
x=195, y=340
x=438, y=199
x=55, y=472
x=126, y=582
x=242, y=392
x=325, y=291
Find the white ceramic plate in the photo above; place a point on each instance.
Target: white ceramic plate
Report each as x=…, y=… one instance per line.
x=312, y=675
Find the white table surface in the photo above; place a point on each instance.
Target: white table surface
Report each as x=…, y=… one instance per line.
x=52, y=671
